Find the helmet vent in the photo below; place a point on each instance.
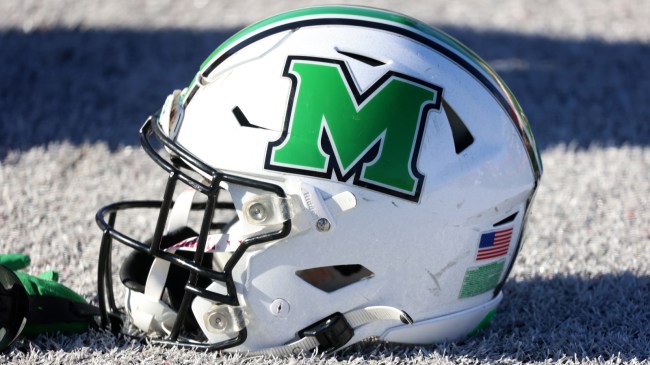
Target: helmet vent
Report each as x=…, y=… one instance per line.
x=462, y=136
x=507, y=219
x=242, y=120
x=361, y=58
x=332, y=278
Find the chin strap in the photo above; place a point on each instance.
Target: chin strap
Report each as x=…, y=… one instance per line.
x=335, y=331
x=147, y=311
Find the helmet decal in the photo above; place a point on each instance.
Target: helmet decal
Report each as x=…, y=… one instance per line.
x=481, y=279
x=332, y=128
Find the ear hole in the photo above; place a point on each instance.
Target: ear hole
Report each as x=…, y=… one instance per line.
x=332, y=278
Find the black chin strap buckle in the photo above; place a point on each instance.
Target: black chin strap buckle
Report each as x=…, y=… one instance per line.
x=331, y=332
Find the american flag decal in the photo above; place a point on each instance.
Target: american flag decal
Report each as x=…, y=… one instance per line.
x=494, y=244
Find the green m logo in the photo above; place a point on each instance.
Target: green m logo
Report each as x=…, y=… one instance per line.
x=333, y=128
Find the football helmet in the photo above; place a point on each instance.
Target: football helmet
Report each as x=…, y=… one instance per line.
x=349, y=173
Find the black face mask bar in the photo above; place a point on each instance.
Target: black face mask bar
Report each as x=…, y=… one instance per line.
x=111, y=315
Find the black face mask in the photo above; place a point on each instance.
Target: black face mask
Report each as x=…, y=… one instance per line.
x=194, y=271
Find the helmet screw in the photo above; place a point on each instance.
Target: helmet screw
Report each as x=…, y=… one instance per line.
x=323, y=225
x=280, y=308
x=217, y=321
x=257, y=212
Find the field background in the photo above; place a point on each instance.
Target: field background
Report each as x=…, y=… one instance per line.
x=78, y=78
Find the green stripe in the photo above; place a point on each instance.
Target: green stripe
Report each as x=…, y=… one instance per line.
x=326, y=11
x=485, y=322
x=332, y=11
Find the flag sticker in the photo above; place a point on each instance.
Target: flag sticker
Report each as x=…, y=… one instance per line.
x=494, y=244
x=479, y=280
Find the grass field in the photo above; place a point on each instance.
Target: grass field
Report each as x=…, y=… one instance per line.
x=79, y=77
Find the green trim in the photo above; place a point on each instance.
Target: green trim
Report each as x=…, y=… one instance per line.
x=332, y=11
x=485, y=322
x=326, y=11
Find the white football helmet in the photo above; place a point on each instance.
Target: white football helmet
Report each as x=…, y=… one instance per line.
x=381, y=174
